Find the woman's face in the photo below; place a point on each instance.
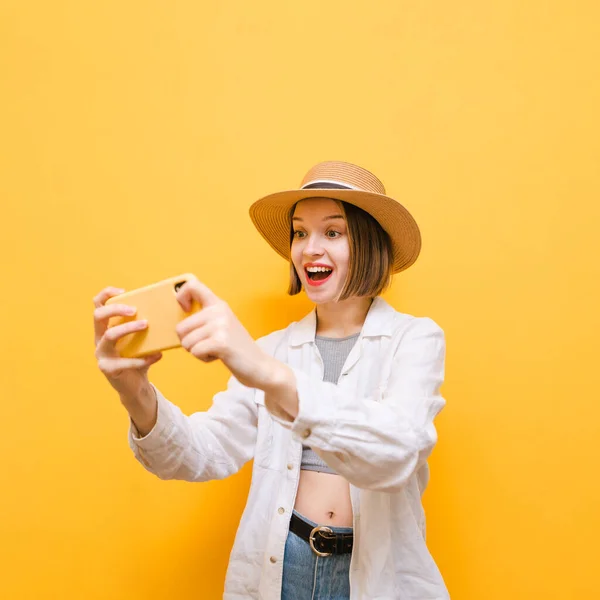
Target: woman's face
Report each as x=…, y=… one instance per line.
x=320, y=249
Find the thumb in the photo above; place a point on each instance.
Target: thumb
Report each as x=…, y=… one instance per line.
x=194, y=290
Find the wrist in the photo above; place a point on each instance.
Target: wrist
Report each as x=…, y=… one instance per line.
x=281, y=395
x=143, y=410
x=143, y=395
x=278, y=378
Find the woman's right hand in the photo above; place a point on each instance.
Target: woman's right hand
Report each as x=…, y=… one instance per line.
x=128, y=376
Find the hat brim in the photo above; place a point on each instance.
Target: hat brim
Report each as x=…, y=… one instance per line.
x=270, y=216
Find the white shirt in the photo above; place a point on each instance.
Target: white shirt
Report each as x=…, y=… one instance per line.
x=375, y=428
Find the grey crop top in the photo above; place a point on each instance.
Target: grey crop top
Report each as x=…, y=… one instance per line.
x=334, y=352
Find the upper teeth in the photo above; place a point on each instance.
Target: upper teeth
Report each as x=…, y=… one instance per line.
x=317, y=269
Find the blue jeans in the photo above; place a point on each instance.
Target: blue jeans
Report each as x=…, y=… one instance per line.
x=307, y=576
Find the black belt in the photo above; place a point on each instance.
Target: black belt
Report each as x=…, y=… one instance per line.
x=322, y=540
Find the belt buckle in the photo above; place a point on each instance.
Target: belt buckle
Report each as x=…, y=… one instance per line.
x=311, y=538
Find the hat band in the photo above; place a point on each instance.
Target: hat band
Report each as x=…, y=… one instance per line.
x=328, y=184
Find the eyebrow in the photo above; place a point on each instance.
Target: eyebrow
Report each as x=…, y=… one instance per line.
x=329, y=218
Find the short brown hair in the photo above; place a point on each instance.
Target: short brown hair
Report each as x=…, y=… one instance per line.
x=371, y=261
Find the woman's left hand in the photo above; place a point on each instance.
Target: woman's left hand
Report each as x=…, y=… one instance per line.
x=216, y=333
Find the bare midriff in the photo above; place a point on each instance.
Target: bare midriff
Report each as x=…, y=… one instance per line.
x=324, y=498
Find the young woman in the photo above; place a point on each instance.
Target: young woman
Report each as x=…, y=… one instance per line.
x=336, y=410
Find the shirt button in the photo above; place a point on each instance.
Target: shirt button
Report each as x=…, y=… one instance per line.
x=290, y=466
x=273, y=559
x=306, y=433
x=281, y=510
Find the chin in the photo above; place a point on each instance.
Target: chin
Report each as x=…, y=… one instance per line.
x=319, y=297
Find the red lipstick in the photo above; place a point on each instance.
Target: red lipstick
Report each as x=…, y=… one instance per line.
x=312, y=283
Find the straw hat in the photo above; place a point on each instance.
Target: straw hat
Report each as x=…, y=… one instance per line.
x=349, y=183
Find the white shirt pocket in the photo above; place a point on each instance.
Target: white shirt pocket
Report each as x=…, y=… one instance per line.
x=270, y=451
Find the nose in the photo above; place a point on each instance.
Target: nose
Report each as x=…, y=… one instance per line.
x=313, y=246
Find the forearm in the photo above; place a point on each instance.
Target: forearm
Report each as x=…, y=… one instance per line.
x=205, y=445
x=143, y=409
x=376, y=442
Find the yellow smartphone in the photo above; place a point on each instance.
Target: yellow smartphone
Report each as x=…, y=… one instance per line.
x=157, y=303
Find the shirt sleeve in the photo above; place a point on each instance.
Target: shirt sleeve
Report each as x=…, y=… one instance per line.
x=203, y=446
x=378, y=442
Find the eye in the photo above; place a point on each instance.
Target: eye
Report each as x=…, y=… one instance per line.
x=335, y=234
x=299, y=234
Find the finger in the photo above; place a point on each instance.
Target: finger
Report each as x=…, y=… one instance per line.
x=152, y=358
x=209, y=359
x=106, y=346
x=195, y=321
x=204, y=350
x=196, y=290
x=112, y=366
x=194, y=336
x=113, y=310
x=102, y=314
x=107, y=293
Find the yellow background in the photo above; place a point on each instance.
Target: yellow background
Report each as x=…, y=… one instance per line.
x=134, y=136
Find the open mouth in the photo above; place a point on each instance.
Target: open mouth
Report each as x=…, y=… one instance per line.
x=317, y=275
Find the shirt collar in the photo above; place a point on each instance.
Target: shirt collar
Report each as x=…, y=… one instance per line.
x=377, y=323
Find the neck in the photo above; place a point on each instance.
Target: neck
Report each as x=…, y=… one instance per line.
x=341, y=319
